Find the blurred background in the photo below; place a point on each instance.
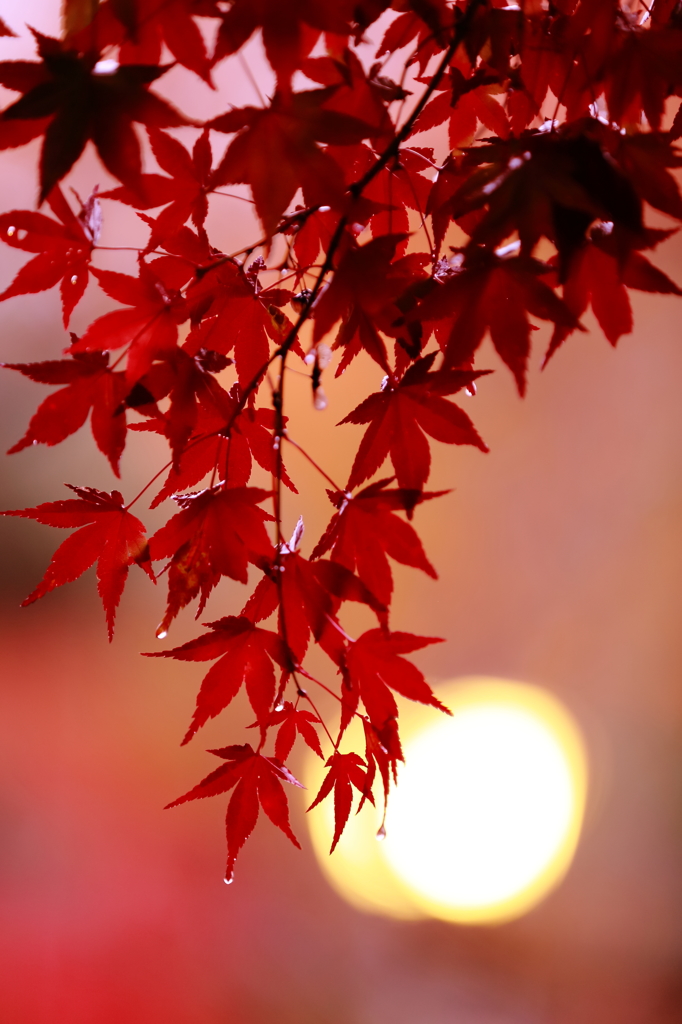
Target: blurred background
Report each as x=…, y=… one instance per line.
x=560, y=562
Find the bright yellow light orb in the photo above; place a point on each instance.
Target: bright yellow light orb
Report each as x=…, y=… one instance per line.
x=486, y=816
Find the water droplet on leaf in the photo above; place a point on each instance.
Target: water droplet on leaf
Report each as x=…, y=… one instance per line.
x=106, y=67
x=381, y=834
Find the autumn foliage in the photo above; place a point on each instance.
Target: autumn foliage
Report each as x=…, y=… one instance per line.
x=562, y=124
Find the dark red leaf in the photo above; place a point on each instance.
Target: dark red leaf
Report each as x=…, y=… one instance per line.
x=375, y=666
x=496, y=295
x=402, y=414
x=217, y=533
x=365, y=530
x=307, y=596
x=257, y=782
x=229, y=314
x=364, y=295
x=291, y=721
x=64, y=250
x=150, y=328
x=345, y=771
x=245, y=655
x=277, y=153
x=108, y=535
x=90, y=385
x=86, y=100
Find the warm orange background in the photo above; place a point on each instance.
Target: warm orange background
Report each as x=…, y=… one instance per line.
x=561, y=565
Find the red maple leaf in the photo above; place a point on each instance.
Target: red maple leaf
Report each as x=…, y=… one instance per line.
x=190, y=385
x=291, y=27
x=383, y=208
x=90, y=385
x=643, y=70
x=400, y=187
x=463, y=103
x=85, y=100
x=186, y=189
x=345, y=772
x=375, y=666
x=150, y=328
x=307, y=596
x=276, y=151
x=447, y=183
x=382, y=754
x=217, y=533
x=493, y=294
x=246, y=655
x=257, y=782
x=64, y=250
x=353, y=93
x=645, y=159
x=402, y=414
x=599, y=275
x=364, y=295
x=290, y=722
x=230, y=310
x=141, y=29
x=250, y=438
x=423, y=26
x=365, y=530
x=108, y=535
x=551, y=184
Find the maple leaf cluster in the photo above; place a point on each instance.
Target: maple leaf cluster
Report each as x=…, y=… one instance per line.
x=560, y=131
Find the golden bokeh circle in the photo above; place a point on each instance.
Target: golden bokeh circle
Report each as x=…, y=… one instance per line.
x=379, y=878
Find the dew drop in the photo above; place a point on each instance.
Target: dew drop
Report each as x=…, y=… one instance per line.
x=381, y=834
x=324, y=209
x=106, y=67
x=11, y=230
x=161, y=633
x=319, y=400
x=279, y=707
x=229, y=881
x=324, y=355
x=74, y=279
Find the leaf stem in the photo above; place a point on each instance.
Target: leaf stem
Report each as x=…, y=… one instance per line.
x=312, y=462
